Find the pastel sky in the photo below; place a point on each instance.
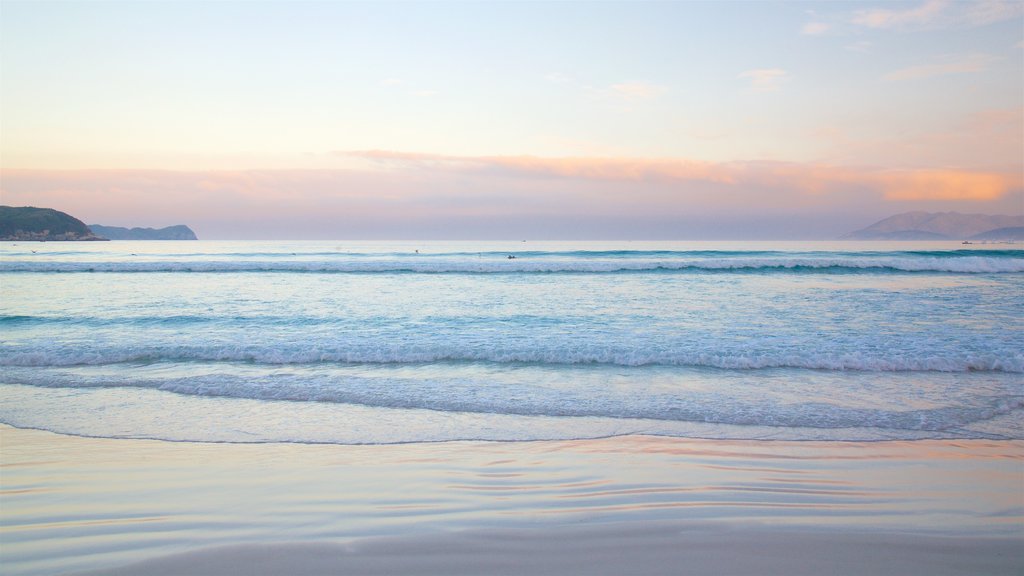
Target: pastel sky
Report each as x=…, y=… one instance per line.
x=541, y=120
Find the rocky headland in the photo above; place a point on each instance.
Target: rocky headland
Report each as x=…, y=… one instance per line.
x=177, y=232
x=28, y=223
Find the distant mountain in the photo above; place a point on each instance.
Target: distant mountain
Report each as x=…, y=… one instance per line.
x=28, y=223
x=936, y=226
x=179, y=232
x=1009, y=233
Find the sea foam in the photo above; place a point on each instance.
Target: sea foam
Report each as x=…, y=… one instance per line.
x=361, y=341
x=1006, y=360
x=541, y=265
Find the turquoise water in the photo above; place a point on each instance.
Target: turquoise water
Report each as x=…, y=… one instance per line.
x=389, y=342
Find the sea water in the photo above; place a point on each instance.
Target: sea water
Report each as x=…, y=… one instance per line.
x=392, y=342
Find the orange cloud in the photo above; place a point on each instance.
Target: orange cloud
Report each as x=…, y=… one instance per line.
x=632, y=169
x=430, y=195
x=926, y=13
x=986, y=140
x=438, y=191
x=635, y=169
x=945, y=185
x=809, y=179
x=940, y=14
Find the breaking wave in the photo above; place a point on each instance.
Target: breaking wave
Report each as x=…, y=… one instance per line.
x=526, y=265
x=994, y=361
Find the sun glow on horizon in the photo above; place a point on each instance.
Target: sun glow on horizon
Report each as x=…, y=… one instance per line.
x=435, y=114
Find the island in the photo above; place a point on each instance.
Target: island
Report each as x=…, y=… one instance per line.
x=28, y=223
x=177, y=232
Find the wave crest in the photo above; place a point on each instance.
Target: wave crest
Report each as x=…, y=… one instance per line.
x=539, y=265
x=861, y=362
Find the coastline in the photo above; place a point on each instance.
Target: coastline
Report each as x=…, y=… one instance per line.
x=73, y=504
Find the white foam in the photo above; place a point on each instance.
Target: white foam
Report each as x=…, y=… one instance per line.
x=995, y=360
x=147, y=413
x=959, y=265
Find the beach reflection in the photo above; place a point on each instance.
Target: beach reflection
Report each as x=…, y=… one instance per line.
x=74, y=503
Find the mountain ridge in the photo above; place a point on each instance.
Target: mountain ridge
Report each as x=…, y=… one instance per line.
x=176, y=232
x=919, y=225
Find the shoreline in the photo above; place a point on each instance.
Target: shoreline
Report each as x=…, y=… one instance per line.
x=643, y=503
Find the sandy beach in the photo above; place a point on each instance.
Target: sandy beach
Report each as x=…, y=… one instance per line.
x=643, y=505
x=352, y=287
x=611, y=549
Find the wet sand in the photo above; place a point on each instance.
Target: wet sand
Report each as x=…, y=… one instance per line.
x=610, y=549
x=636, y=504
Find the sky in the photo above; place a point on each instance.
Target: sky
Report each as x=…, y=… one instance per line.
x=509, y=120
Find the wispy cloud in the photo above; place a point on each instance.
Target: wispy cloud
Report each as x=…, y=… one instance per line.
x=430, y=195
x=765, y=79
x=631, y=169
x=990, y=11
x=940, y=14
x=809, y=179
x=815, y=28
x=928, y=13
x=629, y=91
x=986, y=138
x=950, y=65
x=942, y=185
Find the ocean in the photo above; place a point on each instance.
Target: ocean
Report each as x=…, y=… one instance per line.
x=400, y=342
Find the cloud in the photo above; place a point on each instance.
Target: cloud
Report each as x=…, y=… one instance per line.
x=961, y=65
x=986, y=140
x=991, y=11
x=925, y=14
x=610, y=169
x=637, y=90
x=450, y=196
x=628, y=169
x=935, y=14
x=815, y=28
x=944, y=185
x=807, y=179
x=765, y=79
x=420, y=195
